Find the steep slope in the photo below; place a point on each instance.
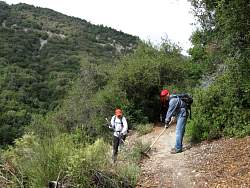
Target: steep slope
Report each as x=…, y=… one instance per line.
x=41, y=53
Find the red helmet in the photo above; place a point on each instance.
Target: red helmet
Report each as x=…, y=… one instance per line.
x=164, y=92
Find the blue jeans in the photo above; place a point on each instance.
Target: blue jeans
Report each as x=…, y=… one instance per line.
x=180, y=128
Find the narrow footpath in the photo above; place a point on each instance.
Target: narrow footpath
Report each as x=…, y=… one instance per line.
x=163, y=169
x=221, y=163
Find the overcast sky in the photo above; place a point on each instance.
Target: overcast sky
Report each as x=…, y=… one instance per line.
x=149, y=19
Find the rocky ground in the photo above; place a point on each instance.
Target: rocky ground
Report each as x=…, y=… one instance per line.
x=221, y=163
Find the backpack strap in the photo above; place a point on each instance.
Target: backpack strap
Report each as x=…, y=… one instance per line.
x=120, y=120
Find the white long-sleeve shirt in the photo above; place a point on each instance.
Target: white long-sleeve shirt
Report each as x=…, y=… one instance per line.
x=119, y=127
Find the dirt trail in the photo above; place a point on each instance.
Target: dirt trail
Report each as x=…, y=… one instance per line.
x=223, y=163
x=163, y=169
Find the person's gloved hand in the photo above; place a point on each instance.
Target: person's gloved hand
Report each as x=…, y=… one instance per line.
x=172, y=119
x=167, y=122
x=166, y=125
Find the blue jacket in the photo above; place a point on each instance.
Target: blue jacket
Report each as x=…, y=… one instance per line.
x=176, y=106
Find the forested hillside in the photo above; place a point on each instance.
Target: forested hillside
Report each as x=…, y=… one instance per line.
x=41, y=53
x=62, y=76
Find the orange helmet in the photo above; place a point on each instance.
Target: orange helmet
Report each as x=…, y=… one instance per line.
x=164, y=92
x=118, y=112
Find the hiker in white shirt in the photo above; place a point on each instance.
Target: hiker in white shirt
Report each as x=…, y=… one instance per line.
x=120, y=126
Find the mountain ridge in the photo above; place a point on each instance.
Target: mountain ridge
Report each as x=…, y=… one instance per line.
x=41, y=54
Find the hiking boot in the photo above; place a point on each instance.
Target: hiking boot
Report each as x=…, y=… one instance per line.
x=174, y=151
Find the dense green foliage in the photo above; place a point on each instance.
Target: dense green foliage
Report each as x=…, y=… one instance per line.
x=62, y=76
x=133, y=84
x=40, y=55
x=146, y=72
x=34, y=162
x=61, y=139
x=222, y=109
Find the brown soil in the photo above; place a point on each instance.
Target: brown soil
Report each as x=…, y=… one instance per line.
x=222, y=163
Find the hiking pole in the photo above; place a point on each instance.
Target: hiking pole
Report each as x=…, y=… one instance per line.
x=123, y=141
x=165, y=128
x=107, y=121
x=150, y=147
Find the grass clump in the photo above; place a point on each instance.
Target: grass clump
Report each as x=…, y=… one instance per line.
x=143, y=129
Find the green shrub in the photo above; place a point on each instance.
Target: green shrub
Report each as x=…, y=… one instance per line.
x=219, y=110
x=39, y=162
x=36, y=162
x=129, y=173
x=85, y=161
x=135, y=154
x=147, y=70
x=144, y=128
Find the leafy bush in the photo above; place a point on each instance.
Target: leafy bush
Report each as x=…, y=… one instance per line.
x=147, y=70
x=219, y=110
x=135, y=153
x=84, y=162
x=34, y=162
x=223, y=39
x=129, y=172
x=38, y=162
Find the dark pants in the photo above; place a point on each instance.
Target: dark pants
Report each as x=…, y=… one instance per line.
x=116, y=142
x=163, y=113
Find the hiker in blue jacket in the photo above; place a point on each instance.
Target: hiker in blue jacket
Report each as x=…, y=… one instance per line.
x=178, y=109
x=120, y=126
